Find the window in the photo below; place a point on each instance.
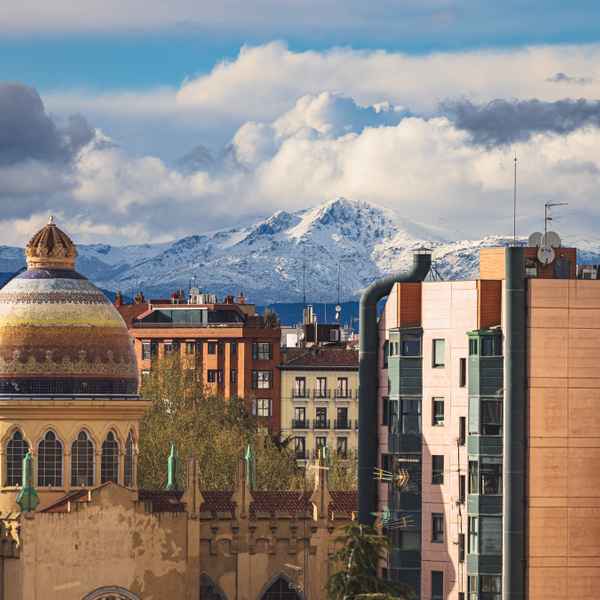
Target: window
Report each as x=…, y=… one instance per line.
x=473, y=535
x=473, y=587
x=490, y=535
x=462, y=488
x=234, y=347
x=473, y=477
x=82, y=461
x=490, y=470
x=190, y=348
x=211, y=347
x=439, y=354
x=342, y=388
x=473, y=346
x=342, y=418
x=341, y=446
x=16, y=449
x=129, y=481
x=410, y=416
x=462, y=372
x=146, y=350
x=461, y=547
x=321, y=418
x=491, y=417
x=491, y=345
x=262, y=351
x=299, y=417
x=321, y=389
x=233, y=377
x=437, y=469
x=490, y=587
x=145, y=373
x=50, y=461
x=386, y=353
x=437, y=585
x=406, y=540
x=320, y=442
x=263, y=407
x=109, y=468
x=212, y=376
x=171, y=347
x=299, y=387
x=462, y=430
x=410, y=344
x=262, y=380
x=385, y=409
x=300, y=447
x=437, y=412
x=437, y=528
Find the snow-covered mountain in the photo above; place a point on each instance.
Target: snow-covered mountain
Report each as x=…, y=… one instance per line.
x=269, y=260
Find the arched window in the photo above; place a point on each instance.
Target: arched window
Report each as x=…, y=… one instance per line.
x=209, y=590
x=110, y=593
x=129, y=462
x=50, y=461
x=281, y=589
x=82, y=461
x=109, y=469
x=16, y=449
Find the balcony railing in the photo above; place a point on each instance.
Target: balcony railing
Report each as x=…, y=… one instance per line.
x=321, y=424
x=300, y=423
x=300, y=393
x=300, y=454
x=343, y=394
x=342, y=424
x=321, y=393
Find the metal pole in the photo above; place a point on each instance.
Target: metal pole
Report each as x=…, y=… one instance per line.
x=515, y=205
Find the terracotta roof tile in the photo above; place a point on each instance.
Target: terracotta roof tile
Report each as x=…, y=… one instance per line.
x=344, y=502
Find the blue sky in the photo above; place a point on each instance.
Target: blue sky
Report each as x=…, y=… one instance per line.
x=285, y=104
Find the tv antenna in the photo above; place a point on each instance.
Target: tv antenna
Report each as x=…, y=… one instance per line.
x=338, y=306
x=547, y=216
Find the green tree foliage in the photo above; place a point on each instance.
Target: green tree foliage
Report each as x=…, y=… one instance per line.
x=216, y=432
x=361, y=550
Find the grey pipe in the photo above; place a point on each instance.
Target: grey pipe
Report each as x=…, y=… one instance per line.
x=513, y=492
x=368, y=376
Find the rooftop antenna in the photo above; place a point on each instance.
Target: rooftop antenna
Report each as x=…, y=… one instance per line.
x=515, y=204
x=338, y=306
x=303, y=278
x=547, y=217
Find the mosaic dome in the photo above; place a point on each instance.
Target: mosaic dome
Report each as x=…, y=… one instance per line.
x=59, y=334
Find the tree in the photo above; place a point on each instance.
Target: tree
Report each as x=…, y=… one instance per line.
x=362, y=548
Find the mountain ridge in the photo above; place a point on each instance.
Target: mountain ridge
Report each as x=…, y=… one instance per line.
x=270, y=259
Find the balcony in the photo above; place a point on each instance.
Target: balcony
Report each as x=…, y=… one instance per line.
x=342, y=424
x=321, y=424
x=341, y=394
x=300, y=455
x=300, y=424
x=300, y=394
x=321, y=394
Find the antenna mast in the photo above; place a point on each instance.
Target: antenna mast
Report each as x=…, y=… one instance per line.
x=515, y=204
x=547, y=217
x=303, y=278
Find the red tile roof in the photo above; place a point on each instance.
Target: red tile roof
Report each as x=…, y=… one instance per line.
x=321, y=357
x=344, y=502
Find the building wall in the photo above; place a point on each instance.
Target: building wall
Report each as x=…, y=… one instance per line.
x=563, y=484
x=331, y=403
x=66, y=418
x=449, y=311
x=223, y=359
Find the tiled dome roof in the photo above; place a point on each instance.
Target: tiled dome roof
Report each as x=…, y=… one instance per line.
x=59, y=334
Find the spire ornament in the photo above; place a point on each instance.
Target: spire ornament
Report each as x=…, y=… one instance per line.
x=51, y=248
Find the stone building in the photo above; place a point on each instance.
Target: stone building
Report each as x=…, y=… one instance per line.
x=74, y=525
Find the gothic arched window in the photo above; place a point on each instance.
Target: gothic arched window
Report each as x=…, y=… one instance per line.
x=129, y=462
x=109, y=469
x=82, y=461
x=281, y=589
x=16, y=449
x=50, y=461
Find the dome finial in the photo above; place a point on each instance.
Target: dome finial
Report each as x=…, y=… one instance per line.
x=50, y=248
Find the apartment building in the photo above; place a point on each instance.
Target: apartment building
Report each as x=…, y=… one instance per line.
x=488, y=424
x=234, y=351
x=319, y=401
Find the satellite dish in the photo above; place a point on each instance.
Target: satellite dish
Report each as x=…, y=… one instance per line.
x=535, y=239
x=551, y=239
x=338, y=308
x=546, y=254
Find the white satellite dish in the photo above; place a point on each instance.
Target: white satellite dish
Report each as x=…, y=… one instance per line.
x=552, y=239
x=535, y=239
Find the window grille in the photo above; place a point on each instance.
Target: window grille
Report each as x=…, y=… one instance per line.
x=129, y=481
x=50, y=461
x=16, y=449
x=109, y=469
x=82, y=461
